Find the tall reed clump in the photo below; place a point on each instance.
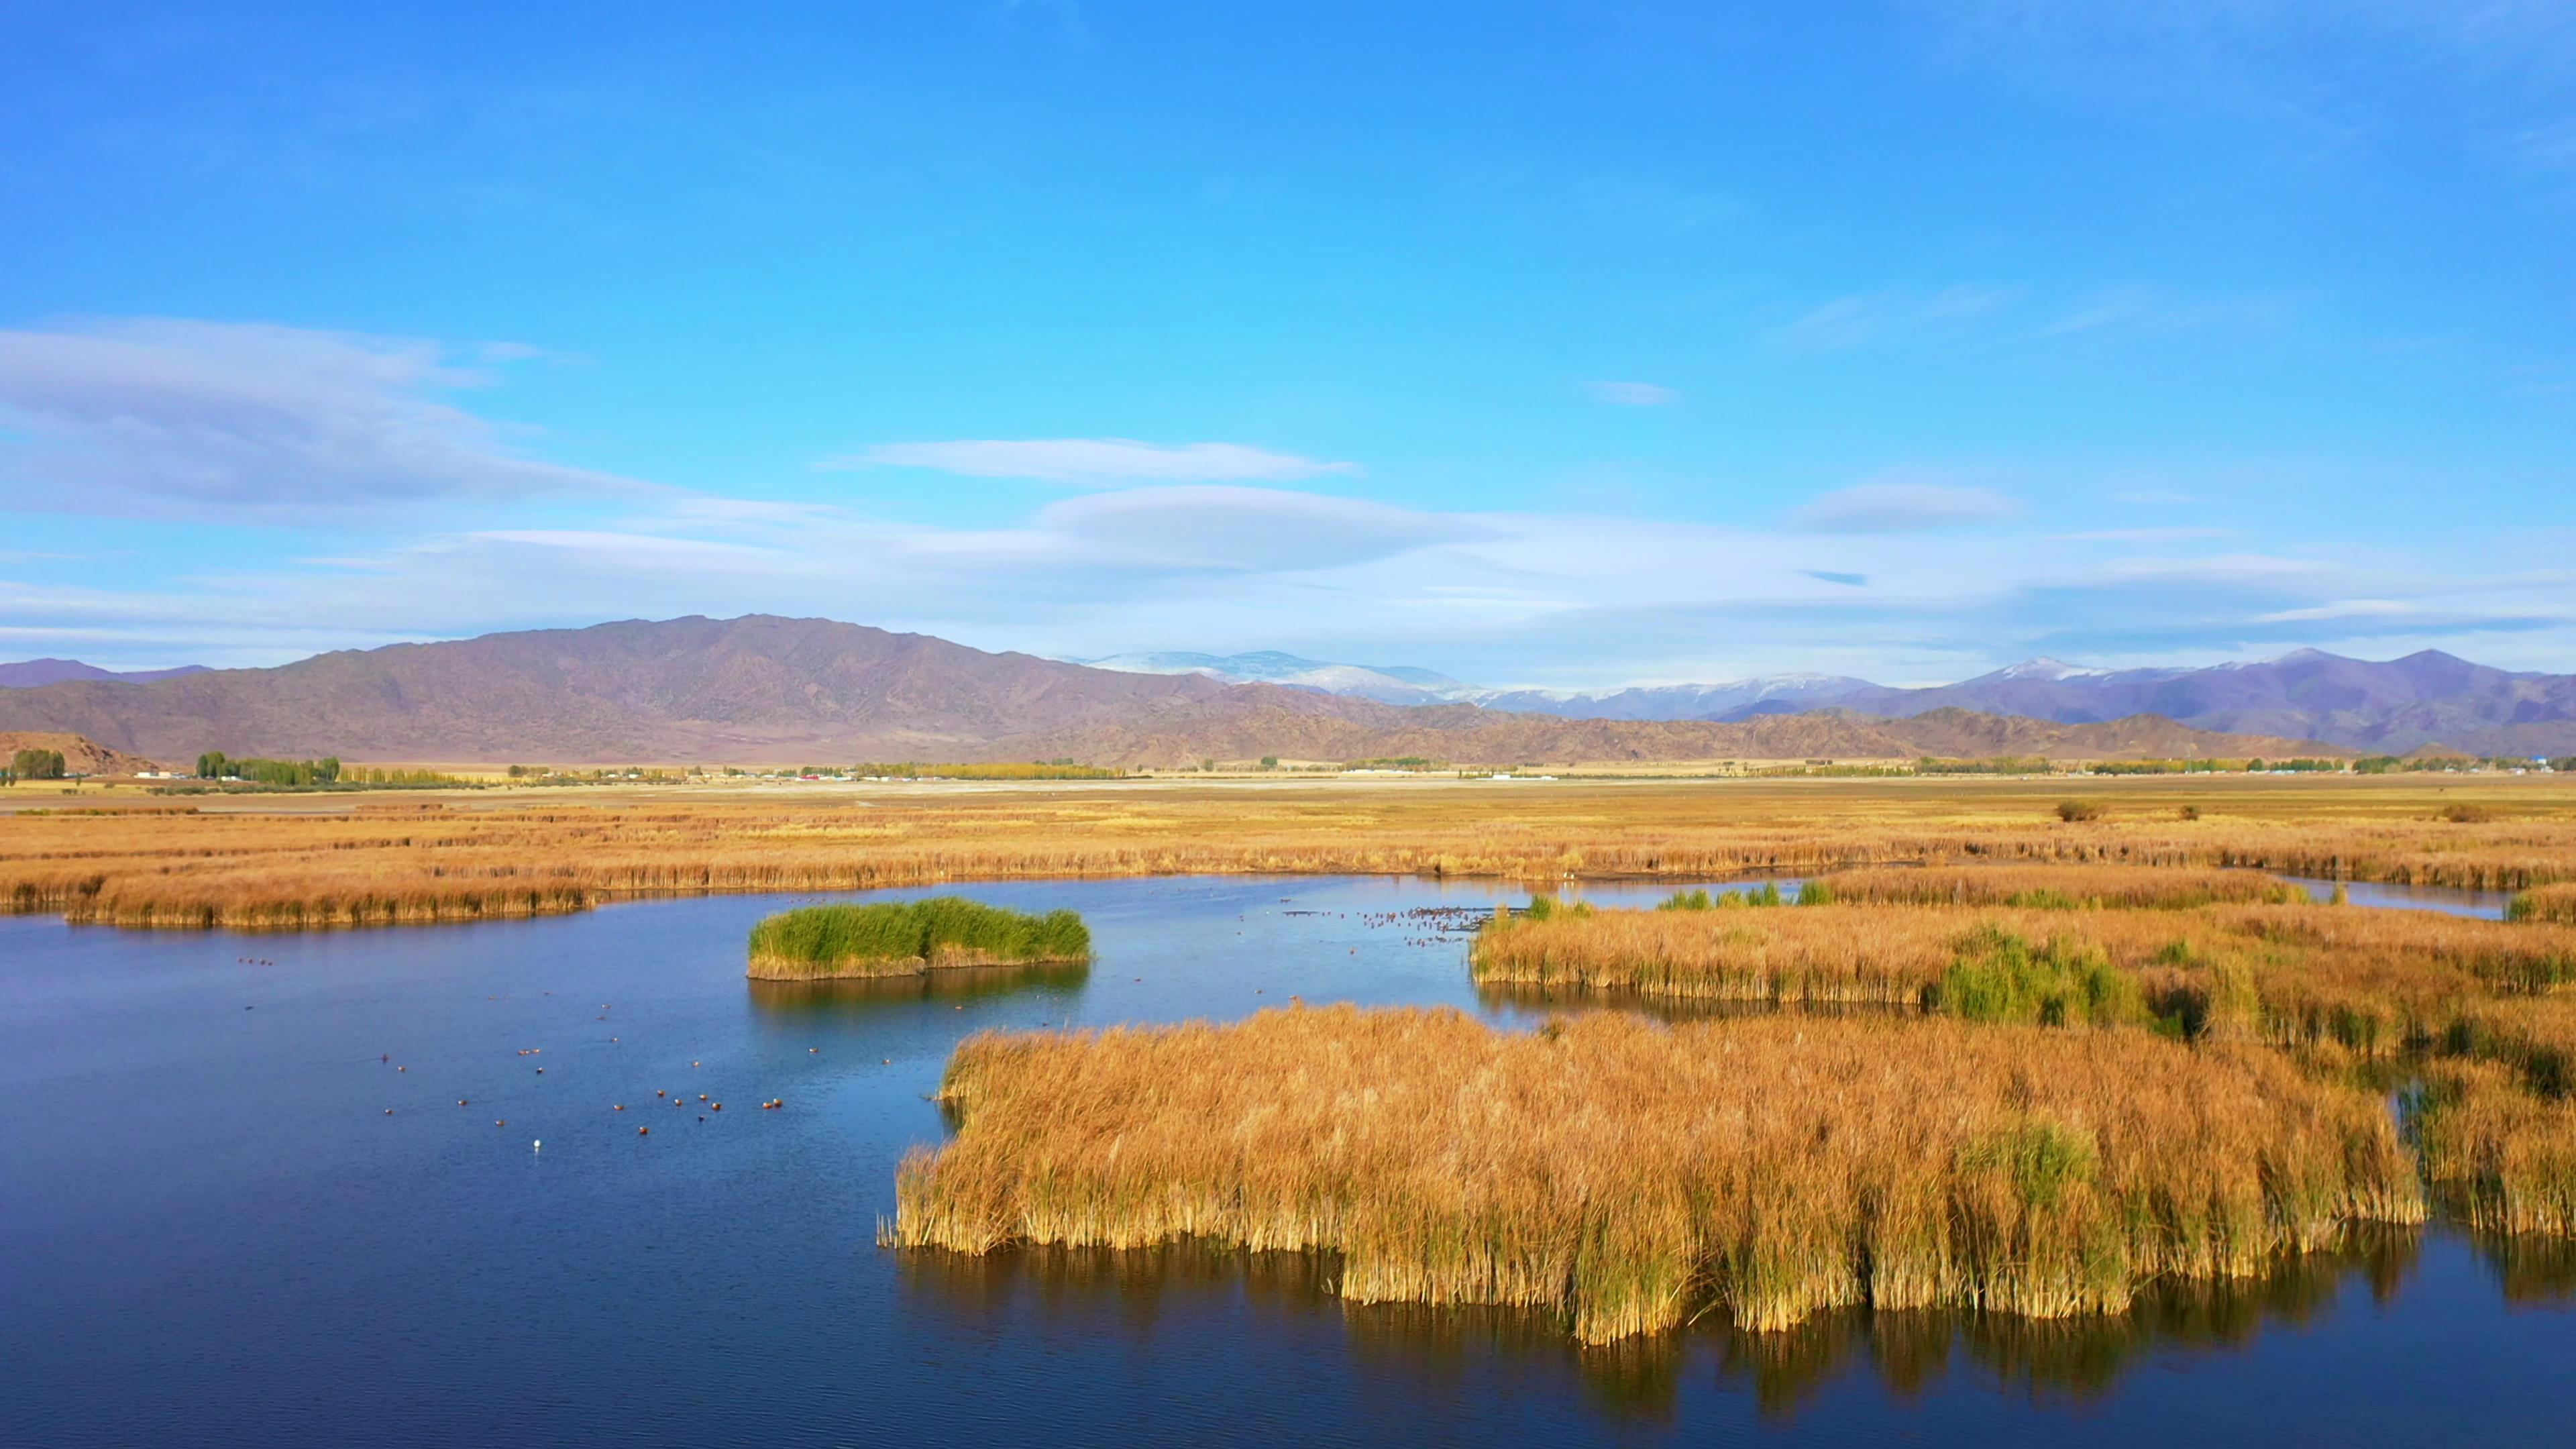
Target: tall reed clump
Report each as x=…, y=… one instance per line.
x=2503, y=1156
x=2544, y=903
x=2534, y=1035
x=1621, y=1174
x=1785, y=956
x=2370, y=980
x=908, y=937
x=2063, y=887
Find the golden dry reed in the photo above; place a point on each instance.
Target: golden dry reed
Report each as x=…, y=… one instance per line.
x=2060, y=887
x=1621, y=1174
x=2312, y=956
x=2546, y=903
x=299, y=862
x=2503, y=1156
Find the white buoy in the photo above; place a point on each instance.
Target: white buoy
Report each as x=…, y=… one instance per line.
x=537, y=1146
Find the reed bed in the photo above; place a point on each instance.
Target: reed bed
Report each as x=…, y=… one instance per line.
x=2500, y=1155
x=907, y=938
x=1621, y=1174
x=296, y=861
x=2545, y=903
x=2372, y=979
x=2534, y=1036
x=2061, y=887
x=1843, y=955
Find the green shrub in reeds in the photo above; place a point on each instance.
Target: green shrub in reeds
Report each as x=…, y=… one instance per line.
x=1999, y=976
x=1623, y=1175
x=901, y=938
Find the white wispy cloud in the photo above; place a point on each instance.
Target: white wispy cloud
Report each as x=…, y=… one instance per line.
x=2140, y=535
x=1901, y=508
x=1095, y=461
x=2343, y=609
x=1862, y=319
x=1500, y=597
x=1260, y=529
x=1633, y=394
x=206, y=419
x=2154, y=312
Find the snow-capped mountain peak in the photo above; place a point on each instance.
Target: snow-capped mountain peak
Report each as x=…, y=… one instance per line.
x=2045, y=668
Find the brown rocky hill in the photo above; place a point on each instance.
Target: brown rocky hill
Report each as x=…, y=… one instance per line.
x=766, y=689
x=80, y=756
x=754, y=688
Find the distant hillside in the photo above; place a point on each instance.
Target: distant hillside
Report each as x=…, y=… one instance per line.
x=2389, y=706
x=757, y=687
x=761, y=688
x=80, y=756
x=28, y=674
x=1237, y=727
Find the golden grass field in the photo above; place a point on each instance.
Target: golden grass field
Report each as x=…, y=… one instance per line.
x=289, y=861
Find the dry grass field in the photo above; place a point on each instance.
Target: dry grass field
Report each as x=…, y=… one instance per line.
x=304, y=861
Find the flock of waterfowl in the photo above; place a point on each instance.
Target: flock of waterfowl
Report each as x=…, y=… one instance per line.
x=1443, y=923
x=665, y=1094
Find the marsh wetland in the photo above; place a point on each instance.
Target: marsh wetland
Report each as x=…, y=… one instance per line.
x=1921, y=1113
x=215, y=1233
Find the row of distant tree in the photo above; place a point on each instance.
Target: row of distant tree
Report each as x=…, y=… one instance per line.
x=216, y=765
x=2396, y=764
x=34, y=765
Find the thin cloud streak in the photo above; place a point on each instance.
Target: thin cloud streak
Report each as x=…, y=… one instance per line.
x=1901, y=508
x=1573, y=599
x=1633, y=394
x=1094, y=461
x=249, y=422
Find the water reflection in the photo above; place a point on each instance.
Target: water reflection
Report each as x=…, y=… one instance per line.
x=1523, y=999
x=2059, y=1360
x=860, y=995
x=1150, y=1291
x=2452, y=900
x=2531, y=1271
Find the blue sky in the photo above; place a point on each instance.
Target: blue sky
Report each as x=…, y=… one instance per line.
x=1566, y=345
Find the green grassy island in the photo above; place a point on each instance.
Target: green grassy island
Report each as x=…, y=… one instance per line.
x=824, y=943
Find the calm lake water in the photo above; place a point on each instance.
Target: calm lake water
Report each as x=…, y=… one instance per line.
x=211, y=1233
x=2452, y=900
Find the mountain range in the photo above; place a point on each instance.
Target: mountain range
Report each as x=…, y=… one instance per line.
x=1385, y=683
x=31, y=673
x=2391, y=706
x=767, y=689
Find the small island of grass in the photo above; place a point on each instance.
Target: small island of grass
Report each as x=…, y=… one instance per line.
x=907, y=938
